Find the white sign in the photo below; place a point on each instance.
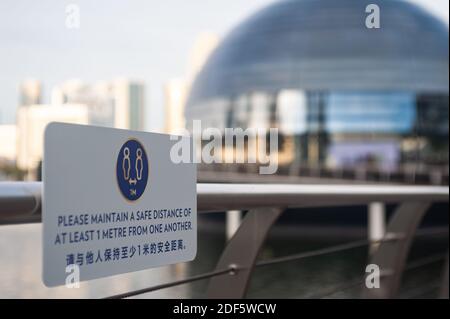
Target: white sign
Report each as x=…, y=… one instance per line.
x=114, y=202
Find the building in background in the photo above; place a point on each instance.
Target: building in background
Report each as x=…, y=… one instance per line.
x=174, y=99
x=30, y=92
x=129, y=104
x=176, y=90
x=203, y=46
x=349, y=102
x=97, y=97
x=8, y=153
x=119, y=103
x=31, y=123
x=8, y=143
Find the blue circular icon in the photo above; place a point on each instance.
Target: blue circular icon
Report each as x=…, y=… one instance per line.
x=132, y=170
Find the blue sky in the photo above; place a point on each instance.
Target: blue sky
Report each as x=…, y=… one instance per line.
x=143, y=39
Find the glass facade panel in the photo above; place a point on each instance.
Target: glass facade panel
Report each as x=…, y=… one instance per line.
x=370, y=112
x=292, y=111
x=241, y=109
x=260, y=110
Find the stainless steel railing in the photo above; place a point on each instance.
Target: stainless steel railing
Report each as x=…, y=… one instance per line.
x=20, y=202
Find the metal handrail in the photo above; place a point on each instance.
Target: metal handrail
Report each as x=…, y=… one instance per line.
x=20, y=202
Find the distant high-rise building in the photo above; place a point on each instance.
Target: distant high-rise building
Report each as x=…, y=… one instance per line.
x=8, y=141
x=205, y=43
x=69, y=91
x=96, y=97
x=176, y=90
x=118, y=103
x=175, y=98
x=128, y=104
x=31, y=123
x=30, y=92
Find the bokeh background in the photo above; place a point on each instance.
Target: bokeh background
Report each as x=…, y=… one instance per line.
x=352, y=105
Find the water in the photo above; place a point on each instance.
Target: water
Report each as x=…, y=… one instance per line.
x=20, y=275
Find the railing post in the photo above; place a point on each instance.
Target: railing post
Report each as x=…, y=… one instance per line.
x=241, y=253
x=392, y=253
x=376, y=224
x=232, y=222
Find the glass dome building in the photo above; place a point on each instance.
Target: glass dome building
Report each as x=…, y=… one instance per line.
x=348, y=101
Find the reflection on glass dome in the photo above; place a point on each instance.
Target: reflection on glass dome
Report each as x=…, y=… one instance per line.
x=349, y=102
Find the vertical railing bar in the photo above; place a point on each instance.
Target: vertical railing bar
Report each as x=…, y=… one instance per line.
x=241, y=252
x=391, y=256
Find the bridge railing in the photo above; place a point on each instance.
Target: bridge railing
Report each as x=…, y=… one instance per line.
x=20, y=202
